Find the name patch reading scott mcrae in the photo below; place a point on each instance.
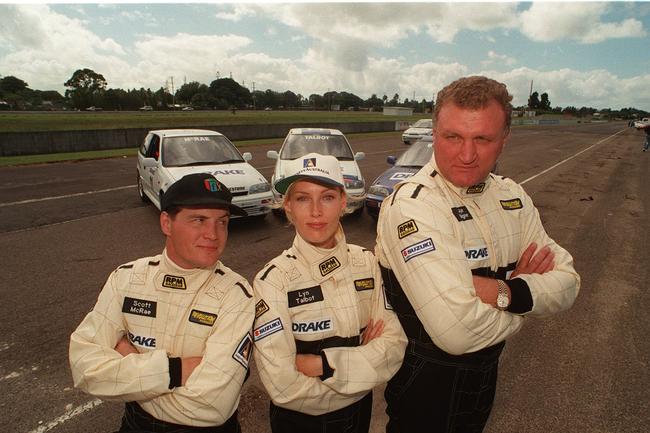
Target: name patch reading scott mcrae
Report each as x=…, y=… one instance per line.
x=141, y=307
x=309, y=295
x=329, y=265
x=174, y=282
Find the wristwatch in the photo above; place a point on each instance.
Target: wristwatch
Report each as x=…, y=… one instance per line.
x=503, y=297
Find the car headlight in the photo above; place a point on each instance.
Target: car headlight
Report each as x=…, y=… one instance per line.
x=259, y=187
x=354, y=183
x=379, y=190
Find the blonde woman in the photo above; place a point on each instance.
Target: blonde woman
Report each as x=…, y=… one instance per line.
x=324, y=334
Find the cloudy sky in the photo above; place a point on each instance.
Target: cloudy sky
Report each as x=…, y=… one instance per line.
x=581, y=53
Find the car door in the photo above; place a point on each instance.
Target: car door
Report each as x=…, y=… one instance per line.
x=150, y=172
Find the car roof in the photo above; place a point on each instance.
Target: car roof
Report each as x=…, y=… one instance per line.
x=183, y=132
x=312, y=131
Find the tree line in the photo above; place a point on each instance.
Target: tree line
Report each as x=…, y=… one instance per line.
x=87, y=88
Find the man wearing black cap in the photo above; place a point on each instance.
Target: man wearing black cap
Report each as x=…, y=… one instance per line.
x=170, y=334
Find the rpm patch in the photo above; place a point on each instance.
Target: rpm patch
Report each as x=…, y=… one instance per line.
x=202, y=318
x=513, y=204
x=260, y=308
x=329, y=266
x=244, y=349
x=174, y=282
x=406, y=228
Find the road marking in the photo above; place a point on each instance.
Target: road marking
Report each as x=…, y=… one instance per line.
x=36, y=200
x=570, y=158
x=68, y=415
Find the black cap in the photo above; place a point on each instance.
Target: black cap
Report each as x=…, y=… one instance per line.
x=200, y=189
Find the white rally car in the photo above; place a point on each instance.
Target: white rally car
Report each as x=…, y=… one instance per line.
x=301, y=141
x=417, y=130
x=166, y=155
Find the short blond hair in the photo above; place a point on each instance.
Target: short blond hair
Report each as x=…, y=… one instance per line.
x=475, y=92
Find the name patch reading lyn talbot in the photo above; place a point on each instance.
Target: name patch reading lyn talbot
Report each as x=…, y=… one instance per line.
x=364, y=284
x=260, y=308
x=202, y=318
x=406, y=228
x=141, y=307
x=174, y=282
x=513, y=204
x=418, y=249
x=329, y=265
x=309, y=295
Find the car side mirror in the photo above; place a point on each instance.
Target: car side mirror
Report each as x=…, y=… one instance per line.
x=149, y=162
x=359, y=156
x=272, y=154
x=247, y=156
x=391, y=160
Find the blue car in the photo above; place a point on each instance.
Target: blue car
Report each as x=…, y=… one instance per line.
x=409, y=163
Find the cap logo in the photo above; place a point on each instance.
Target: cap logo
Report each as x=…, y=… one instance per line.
x=211, y=185
x=309, y=162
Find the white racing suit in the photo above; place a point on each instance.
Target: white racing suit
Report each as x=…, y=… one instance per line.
x=313, y=300
x=432, y=237
x=166, y=312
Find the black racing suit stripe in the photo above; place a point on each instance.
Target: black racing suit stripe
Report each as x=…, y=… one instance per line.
x=243, y=289
x=266, y=273
x=315, y=347
x=419, y=340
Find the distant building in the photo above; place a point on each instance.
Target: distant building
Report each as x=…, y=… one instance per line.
x=398, y=111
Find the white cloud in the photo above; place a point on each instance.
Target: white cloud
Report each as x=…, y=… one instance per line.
x=236, y=13
x=499, y=59
x=577, y=21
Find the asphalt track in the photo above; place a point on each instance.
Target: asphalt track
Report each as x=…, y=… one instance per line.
x=65, y=226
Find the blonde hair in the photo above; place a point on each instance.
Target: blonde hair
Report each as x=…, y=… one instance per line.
x=475, y=92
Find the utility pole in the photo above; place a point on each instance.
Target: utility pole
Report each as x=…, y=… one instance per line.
x=530, y=93
x=253, y=95
x=173, y=96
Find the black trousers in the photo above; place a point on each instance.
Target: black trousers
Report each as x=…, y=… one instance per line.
x=352, y=419
x=136, y=420
x=435, y=392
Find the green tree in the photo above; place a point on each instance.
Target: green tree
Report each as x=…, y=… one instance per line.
x=545, y=103
x=229, y=93
x=85, y=88
x=11, y=84
x=187, y=91
x=533, y=100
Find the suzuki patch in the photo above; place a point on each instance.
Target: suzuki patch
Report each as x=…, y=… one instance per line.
x=139, y=340
x=461, y=213
x=174, y=282
x=141, y=307
x=407, y=228
x=418, y=249
x=364, y=284
x=309, y=295
x=267, y=329
x=513, y=204
x=329, y=265
x=260, y=308
x=476, y=189
x=476, y=253
x=202, y=318
x=244, y=349
x=312, y=327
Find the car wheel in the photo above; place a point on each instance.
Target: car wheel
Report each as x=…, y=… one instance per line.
x=141, y=193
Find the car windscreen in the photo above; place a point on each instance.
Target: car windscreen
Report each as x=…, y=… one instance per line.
x=423, y=123
x=417, y=155
x=198, y=150
x=299, y=145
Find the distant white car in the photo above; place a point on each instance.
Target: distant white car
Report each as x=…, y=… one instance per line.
x=640, y=124
x=301, y=141
x=146, y=108
x=167, y=155
x=417, y=130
